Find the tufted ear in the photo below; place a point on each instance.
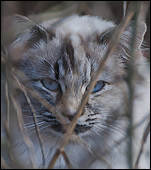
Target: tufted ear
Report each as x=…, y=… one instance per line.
x=140, y=34
x=127, y=35
x=13, y=26
x=20, y=33
x=125, y=41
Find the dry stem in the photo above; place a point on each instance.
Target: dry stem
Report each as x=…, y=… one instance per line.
x=146, y=132
x=110, y=50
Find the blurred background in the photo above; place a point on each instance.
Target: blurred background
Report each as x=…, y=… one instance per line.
x=39, y=11
x=42, y=10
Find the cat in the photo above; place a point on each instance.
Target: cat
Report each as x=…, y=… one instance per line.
x=58, y=58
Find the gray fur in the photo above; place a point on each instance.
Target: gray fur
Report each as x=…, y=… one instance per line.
x=68, y=51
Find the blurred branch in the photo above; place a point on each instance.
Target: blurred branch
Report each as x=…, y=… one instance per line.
x=69, y=128
x=110, y=50
x=21, y=124
x=67, y=160
x=62, y=119
x=119, y=142
x=146, y=132
x=124, y=8
x=143, y=10
x=3, y=164
x=131, y=88
x=139, y=14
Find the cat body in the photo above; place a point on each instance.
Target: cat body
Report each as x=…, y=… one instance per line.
x=60, y=58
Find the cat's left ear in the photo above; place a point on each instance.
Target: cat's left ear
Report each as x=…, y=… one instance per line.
x=20, y=33
x=127, y=35
x=16, y=26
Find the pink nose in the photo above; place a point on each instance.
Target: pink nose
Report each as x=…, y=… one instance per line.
x=69, y=117
x=68, y=112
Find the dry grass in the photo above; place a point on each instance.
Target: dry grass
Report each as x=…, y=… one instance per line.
x=133, y=9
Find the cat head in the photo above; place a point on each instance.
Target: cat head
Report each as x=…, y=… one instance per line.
x=61, y=56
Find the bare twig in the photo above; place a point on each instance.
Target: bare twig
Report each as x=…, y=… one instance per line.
x=64, y=121
x=35, y=122
x=4, y=164
x=146, y=132
x=131, y=88
x=124, y=8
x=139, y=16
x=67, y=160
x=61, y=118
x=24, y=134
x=144, y=10
x=69, y=128
x=105, y=58
x=98, y=156
x=55, y=157
x=125, y=137
x=119, y=142
x=8, y=104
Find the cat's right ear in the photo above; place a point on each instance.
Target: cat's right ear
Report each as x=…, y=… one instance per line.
x=127, y=35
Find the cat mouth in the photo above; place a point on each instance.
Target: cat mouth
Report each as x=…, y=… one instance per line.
x=56, y=125
x=78, y=129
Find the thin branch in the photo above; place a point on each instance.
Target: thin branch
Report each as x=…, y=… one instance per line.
x=24, y=134
x=125, y=137
x=35, y=122
x=4, y=164
x=106, y=57
x=131, y=88
x=110, y=50
x=55, y=157
x=140, y=15
x=145, y=5
x=62, y=119
x=67, y=160
x=124, y=8
x=100, y=157
x=146, y=132
x=8, y=103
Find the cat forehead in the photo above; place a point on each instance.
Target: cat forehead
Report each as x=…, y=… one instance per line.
x=65, y=50
x=81, y=25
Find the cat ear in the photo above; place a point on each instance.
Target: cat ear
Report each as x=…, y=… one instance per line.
x=127, y=35
x=21, y=33
x=140, y=33
x=126, y=39
x=13, y=26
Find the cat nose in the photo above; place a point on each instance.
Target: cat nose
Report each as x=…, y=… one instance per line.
x=69, y=113
x=68, y=105
x=69, y=117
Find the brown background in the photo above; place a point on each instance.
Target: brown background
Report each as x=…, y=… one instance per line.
x=110, y=10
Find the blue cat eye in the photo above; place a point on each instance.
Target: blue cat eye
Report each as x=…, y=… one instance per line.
x=99, y=85
x=50, y=84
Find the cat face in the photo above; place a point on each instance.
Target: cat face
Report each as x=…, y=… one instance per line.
x=60, y=59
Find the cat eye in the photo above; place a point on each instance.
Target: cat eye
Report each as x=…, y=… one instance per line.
x=105, y=37
x=50, y=84
x=99, y=85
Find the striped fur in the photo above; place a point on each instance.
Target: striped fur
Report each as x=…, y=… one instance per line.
x=68, y=52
